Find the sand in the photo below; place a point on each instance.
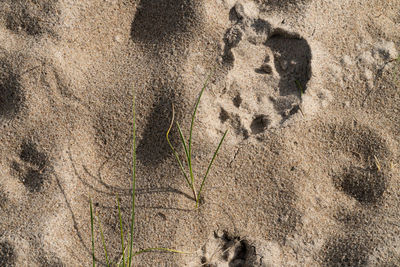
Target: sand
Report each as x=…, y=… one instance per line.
x=309, y=172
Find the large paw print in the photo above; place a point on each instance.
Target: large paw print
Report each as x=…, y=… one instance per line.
x=268, y=69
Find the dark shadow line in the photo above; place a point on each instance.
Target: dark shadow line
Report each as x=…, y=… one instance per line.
x=126, y=192
x=99, y=176
x=82, y=180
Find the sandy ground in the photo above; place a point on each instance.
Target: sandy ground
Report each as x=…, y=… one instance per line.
x=308, y=175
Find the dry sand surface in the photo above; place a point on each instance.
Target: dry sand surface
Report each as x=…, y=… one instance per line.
x=308, y=175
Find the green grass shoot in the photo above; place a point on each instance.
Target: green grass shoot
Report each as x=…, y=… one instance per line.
x=92, y=230
x=189, y=175
x=300, y=88
x=103, y=241
x=122, y=232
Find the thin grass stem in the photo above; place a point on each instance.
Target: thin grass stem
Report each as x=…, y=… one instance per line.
x=183, y=143
x=122, y=232
x=191, y=128
x=300, y=88
x=173, y=149
x=102, y=240
x=92, y=229
x=120, y=259
x=209, y=167
x=133, y=180
x=191, y=185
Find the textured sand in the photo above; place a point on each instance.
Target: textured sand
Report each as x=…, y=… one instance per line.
x=309, y=173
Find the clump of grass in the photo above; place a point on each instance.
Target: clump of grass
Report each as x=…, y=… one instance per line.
x=128, y=260
x=189, y=175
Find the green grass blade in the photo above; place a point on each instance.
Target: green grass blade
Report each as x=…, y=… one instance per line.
x=191, y=127
x=102, y=240
x=300, y=88
x=92, y=229
x=122, y=233
x=119, y=263
x=209, y=167
x=195, y=111
x=160, y=249
x=191, y=184
x=133, y=180
x=183, y=143
x=173, y=149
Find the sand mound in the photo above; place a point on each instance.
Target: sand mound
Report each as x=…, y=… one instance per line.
x=308, y=174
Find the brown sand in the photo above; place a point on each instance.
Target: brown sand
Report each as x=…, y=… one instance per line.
x=305, y=178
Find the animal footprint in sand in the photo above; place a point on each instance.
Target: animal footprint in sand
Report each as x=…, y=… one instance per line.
x=364, y=172
x=226, y=249
x=32, y=167
x=268, y=70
